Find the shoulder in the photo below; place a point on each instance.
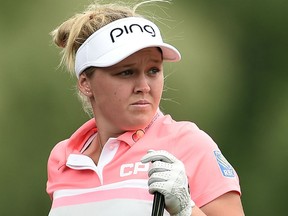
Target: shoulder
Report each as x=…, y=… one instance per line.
x=186, y=133
x=56, y=160
x=181, y=138
x=57, y=157
x=168, y=124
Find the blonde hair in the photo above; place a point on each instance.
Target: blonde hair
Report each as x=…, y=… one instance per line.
x=72, y=33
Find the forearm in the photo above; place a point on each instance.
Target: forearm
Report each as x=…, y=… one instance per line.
x=197, y=212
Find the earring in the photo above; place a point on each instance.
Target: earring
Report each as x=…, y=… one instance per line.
x=87, y=91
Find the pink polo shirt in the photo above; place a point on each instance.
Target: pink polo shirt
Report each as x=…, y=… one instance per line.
x=118, y=184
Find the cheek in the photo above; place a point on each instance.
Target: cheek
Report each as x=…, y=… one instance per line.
x=120, y=94
x=158, y=87
x=116, y=96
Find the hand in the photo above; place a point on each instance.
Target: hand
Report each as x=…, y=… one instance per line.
x=167, y=176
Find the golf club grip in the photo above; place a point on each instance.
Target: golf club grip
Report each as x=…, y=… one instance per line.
x=158, y=204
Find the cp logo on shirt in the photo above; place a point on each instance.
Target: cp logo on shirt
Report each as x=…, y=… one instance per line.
x=133, y=168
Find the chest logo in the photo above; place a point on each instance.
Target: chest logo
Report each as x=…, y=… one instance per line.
x=133, y=169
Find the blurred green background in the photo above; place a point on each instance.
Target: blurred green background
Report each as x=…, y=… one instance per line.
x=232, y=82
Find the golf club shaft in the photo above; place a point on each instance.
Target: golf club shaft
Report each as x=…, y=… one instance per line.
x=158, y=204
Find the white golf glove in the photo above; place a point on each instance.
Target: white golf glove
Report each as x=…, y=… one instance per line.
x=167, y=176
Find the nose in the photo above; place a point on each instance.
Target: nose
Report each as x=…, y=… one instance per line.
x=141, y=84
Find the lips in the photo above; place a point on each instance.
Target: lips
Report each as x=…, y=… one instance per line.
x=141, y=102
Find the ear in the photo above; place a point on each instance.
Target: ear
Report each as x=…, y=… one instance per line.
x=84, y=85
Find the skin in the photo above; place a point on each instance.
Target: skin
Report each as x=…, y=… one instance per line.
x=226, y=205
x=134, y=88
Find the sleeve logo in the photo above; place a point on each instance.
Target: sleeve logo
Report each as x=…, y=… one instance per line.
x=225, y=167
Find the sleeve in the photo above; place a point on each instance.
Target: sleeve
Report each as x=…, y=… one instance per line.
x=210, y=175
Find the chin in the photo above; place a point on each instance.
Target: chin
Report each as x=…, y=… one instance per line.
x=138, y=124
x=139, y=120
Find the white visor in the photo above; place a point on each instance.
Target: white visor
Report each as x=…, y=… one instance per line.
x=120, y=39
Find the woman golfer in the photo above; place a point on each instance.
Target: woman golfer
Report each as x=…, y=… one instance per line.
x=114, y=163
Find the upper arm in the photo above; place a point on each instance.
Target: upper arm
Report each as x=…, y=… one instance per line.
x=225, y=205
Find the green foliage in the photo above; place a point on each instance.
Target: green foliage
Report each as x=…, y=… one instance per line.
x=232, y=82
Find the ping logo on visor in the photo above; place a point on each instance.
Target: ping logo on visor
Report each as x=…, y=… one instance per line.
x=119, y=39
x=117, y=32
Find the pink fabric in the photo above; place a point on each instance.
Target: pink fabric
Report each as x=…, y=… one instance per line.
x=102, y=196
x=185, y=140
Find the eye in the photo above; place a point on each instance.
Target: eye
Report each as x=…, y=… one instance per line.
x=125, y=73
x=154, y=71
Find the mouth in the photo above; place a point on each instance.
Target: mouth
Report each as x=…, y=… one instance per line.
x=141, y=103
